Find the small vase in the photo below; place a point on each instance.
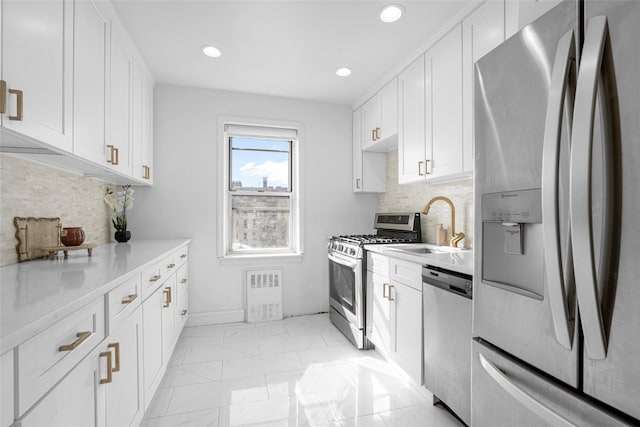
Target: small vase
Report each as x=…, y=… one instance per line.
x=72, y=236
x=122, y=236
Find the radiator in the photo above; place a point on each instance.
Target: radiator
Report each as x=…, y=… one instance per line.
x=264, y=295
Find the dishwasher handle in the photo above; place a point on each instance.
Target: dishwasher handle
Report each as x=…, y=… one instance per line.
x=450, y=281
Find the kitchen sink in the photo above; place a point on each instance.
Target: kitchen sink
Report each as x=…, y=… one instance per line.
x=420, y=250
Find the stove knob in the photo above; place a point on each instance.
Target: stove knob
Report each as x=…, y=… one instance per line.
x=352, y=251
x=340, y=248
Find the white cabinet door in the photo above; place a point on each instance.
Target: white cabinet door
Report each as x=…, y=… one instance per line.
x=6, y=388
x=379, y=312
x=370, y=121
x=411, y=122
x=444, y=92
x=168, y=317
x=120, y=114
x=125, y=405
x=482, y=31
x=406, y=329
x=369, y=168
x=152, y=343
x=142, y=143
x=388, y=110
x=78, y=400
x=89, y=82
x=37, y=59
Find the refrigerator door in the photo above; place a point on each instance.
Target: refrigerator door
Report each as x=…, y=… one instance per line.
x=507, y=393
x=613, y=376
x=513, y=308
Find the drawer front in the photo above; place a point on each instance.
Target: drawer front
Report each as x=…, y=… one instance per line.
x=123, y=300
x=151, y=279
x=45, y=358
x=378, y=263
x=406, y=272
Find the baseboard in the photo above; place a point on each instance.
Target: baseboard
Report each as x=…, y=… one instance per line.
x=215, y=317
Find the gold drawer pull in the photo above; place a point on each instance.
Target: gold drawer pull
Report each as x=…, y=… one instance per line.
x=183, y=281
x=116, y=347
x=183, y=256
x=146, y=174
x=82, y=337
x=167, y=294
x=377, y=133
x=155, y=278
x=184, y=312
x=109, y=378
x=18, y=93
x=171, y=265
x=358, y=183
x=117, y=161
x=129, y=299
x=3, y=96
x=110, y=147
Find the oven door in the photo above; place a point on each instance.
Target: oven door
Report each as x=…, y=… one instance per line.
x=345, y=288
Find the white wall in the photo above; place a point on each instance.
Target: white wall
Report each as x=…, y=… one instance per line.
x=182, y=202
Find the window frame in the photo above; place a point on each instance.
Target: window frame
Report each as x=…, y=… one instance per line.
x=226, y=124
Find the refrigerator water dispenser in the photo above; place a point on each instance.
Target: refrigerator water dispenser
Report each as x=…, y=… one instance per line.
x=512, y=241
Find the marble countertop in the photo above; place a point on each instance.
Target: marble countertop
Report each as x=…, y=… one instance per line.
x=35, y=294
x=460, y=260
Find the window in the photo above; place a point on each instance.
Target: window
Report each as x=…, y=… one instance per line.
x=261, y=198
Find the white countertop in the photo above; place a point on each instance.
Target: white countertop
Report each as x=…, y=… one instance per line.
x=34, y=294
x=460, y=260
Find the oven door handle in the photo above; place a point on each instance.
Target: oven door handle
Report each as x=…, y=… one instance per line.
x=341, y=261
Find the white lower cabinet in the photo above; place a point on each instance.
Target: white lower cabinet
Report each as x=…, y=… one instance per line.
x=394, y=311
x=102, y=364
x=78, y=400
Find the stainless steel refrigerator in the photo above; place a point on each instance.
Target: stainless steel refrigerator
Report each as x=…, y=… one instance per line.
x=556, y=309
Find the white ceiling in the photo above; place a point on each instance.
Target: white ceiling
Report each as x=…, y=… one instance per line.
x=282, y=48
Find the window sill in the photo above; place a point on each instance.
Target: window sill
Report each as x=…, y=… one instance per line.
x=236, y=259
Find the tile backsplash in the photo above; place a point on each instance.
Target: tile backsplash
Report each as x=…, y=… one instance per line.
x=413, y=197
x=29, y=189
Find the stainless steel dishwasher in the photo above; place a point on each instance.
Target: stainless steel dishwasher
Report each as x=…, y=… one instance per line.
x=446, y=299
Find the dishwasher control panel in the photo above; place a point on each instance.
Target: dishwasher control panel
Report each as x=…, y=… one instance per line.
x=452, y=281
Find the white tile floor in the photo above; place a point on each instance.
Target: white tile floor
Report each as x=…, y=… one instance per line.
x=299, y=371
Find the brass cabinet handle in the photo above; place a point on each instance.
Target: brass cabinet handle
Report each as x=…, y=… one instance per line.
x=420, y=169
x=377, y=133
x=184, y=312
x=167, y=294
x=82, y=337
x=385, y=293
x=183, y=256
x=129, y=299
x=3, y=96
x=116, y=161
x=109, y=378
x=146, y=174
x=110, y=147
x=183, y=281
x=373, y=134
x=116, y=347
x=426, y=167
x=389, y=297
x=358, y=183
x=171, y=265
x=18, y=93
x=155, y=278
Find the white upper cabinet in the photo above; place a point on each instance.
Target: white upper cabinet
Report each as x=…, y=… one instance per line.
x=482, y=31
x=523, y=12
x=37, y=65
x=369, y=168
x=142, y=144
x=411, y=127
x=120, y=133
x=91, y=36
x=380, y=119
x=443, y=70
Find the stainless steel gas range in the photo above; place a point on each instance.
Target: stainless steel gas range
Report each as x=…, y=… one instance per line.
x=347, y=270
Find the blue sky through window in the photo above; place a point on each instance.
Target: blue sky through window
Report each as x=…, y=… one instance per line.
x=250, y=166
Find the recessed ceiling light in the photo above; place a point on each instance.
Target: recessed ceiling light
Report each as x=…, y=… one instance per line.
x=211, y=51
x=343, y=71
x=391, y=13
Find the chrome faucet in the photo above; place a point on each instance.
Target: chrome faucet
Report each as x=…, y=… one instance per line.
x=455, y=237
